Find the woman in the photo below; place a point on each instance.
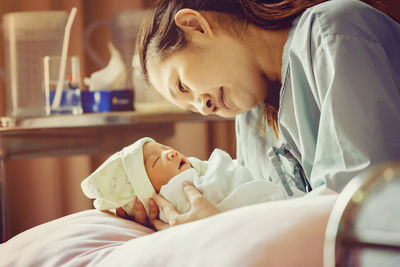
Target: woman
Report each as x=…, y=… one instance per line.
x=314, y=86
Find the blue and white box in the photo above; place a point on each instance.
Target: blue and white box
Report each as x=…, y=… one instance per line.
x=107, y=100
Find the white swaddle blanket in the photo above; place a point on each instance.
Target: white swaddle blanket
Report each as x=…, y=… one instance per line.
x=223, y=182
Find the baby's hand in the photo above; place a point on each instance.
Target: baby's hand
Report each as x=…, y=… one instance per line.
x=200, y=208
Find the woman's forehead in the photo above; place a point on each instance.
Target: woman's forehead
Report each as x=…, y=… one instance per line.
x=160, y=73
x=156, y=72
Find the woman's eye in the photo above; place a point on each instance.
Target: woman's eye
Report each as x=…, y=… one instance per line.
x=181, y=88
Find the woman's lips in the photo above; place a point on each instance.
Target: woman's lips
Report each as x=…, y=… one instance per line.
x=221, y=99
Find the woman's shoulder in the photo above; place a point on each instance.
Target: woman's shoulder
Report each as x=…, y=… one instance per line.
x=345, y=17
x=338, y=8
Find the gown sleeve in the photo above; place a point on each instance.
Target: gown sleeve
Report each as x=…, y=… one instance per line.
x=359, y=102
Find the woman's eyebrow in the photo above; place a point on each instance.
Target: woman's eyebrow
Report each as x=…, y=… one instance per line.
x=170, y=85
x=172, y=92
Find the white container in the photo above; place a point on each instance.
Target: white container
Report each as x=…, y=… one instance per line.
x=28, y=37
x=124, y=27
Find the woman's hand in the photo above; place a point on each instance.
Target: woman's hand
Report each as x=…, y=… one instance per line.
x=139, y=212
x=200, y=208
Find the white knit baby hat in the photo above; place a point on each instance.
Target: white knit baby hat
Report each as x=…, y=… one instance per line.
x=120, y=179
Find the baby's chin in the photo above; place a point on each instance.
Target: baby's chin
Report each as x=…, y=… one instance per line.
x=185, y=167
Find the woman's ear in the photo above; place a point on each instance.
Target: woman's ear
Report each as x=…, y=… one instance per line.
x=189, y=20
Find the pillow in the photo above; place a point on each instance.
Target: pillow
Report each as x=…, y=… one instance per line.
x=74, y=240
x=280, y=233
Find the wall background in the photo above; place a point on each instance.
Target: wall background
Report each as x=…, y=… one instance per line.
x=39, y=190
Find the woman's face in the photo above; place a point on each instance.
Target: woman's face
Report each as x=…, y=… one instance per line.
x=162, y=163
x=211, y=76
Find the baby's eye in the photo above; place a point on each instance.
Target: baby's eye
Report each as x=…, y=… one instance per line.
x=181, y=88
x=154, y=163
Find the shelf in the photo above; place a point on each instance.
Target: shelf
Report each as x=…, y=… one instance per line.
x=145, y=113
x=61, y=135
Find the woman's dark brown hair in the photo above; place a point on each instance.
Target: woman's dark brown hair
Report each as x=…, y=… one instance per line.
x=160, y=34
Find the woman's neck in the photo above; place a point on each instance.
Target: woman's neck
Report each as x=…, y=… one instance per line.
x=267, y=48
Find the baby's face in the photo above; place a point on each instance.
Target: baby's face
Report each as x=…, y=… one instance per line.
x=162, y=163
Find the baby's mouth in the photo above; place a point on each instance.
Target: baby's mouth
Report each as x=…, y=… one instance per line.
x=181, y=163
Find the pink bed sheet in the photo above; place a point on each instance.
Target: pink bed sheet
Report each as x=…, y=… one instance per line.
x=281, y=233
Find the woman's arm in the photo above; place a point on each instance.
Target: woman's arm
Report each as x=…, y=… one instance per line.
x=200, y=208
x=359, y=123
x=139, y=212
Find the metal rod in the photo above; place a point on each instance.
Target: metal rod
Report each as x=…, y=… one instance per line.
x=351, y=242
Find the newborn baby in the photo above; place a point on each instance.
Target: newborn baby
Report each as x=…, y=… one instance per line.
x=146, y=167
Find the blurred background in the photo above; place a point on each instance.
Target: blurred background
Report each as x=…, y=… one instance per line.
x=42, y=189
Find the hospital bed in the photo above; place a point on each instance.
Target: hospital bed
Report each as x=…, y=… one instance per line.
x=364, y=226
x=280, y=233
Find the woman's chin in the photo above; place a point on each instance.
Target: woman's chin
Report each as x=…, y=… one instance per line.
x=229, y=113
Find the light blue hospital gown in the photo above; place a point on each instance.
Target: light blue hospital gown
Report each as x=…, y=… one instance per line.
x=339, y=107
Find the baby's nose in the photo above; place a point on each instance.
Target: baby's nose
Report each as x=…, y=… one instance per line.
x=171, y=154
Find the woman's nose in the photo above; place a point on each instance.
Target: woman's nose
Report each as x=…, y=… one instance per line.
x=207, y=106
